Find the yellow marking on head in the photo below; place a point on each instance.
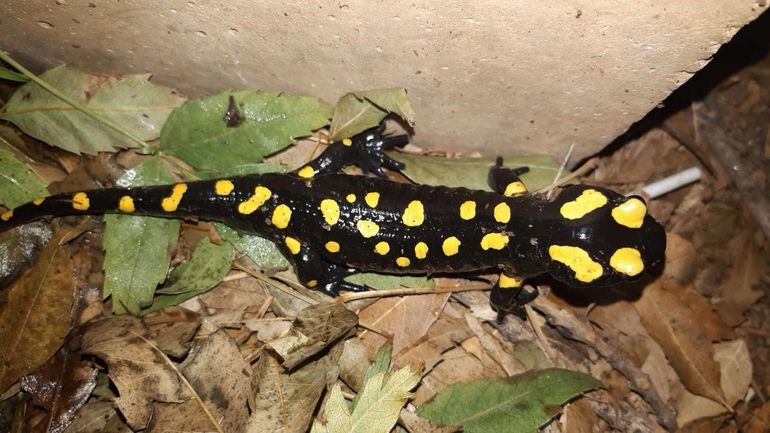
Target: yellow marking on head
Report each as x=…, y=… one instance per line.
x=468, y=210
x=261, y=195
x=293, y=244
x=367, y=228
x=414, y=214
x=38, y=201
x=577, y=259
x=80, y=201
x=506, y=282
x=347, y=141
x=496, y=241
x=312, y=283
x=515, y=189
x=588, y=201
x=451, y=246
x=223, y=187
x=382, y=248
x=126, y=204
x=6, y=215
x=332, y=247
x=351, y=198
x=331, y=211
x=403, y=262
x=502, y=213
x=171, y=203
x=421, y=250
x=627, y=261
x=372, y=199
x=306, y=172
x=631, y=213
x=281, y=216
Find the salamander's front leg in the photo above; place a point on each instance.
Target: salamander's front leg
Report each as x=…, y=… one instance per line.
x=506, y=181
x=509, y=296
x=365, y=149
x=315, y=272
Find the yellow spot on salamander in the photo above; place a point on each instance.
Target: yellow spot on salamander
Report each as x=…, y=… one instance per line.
x=223, y=187
x=414, y=215
x=514, y=189
x=312, y=283
x=347, y=141
x=6, y=215
x=306, y=172
x=496, y=241
x=631, y=213
x=627, y=261
x=80, y=201
x=421, y=250
x=451, y=246
x=367, y=228
x=261, y=195
x=502, y=213
x=468, y=210
x=281, y=216
x=403, y=262
x=126, y=204
x=171, y=203
x=332, y=247
x=331, y=211
x=588, y=201
x=382, y=248
x=372, y=199
x=506, y=282
x=351, y=198
x=577, y=259
x=38, y=201
x=293, y=244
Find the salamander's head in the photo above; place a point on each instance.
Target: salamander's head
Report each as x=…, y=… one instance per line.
x=602, y=238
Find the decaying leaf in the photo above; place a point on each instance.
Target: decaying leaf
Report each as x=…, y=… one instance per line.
x=172, y=328
x=739, y=292
x=359, y=111
x=138, y=370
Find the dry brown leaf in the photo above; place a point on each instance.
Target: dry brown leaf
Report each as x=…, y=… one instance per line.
x=406, y=318
x=759, y=422
x=496, y=349
x=679, y=331
x=61, y=386
x=736, y=369
x=443, y=335
x=691, y=408
x=657, y=368
x=171, y=329
x=738, y=291
x=36, y=318
x=315, y=328
x=578, y=417
x=354, y=362
x=139, y=371
x=680, y=259
x=221, y=378
x=286, y=399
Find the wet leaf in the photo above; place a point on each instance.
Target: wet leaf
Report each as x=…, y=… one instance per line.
x=36, y=318
x=18, y=185
x=139, y=371
x=520, y=403
x=61, y=386
x=197, y=134
x=131, y=101
x=138, y=249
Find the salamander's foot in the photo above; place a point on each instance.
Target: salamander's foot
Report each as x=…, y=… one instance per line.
x=371, y=146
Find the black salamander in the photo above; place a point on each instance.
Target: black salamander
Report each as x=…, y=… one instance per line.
x=331, y=225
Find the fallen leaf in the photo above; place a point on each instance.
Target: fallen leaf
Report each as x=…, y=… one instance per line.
x=691, y=407
x=736, y=369
x=172, y=328
x=739, y=292
x=443, y=334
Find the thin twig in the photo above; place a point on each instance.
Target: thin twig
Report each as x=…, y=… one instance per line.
x=588, y=166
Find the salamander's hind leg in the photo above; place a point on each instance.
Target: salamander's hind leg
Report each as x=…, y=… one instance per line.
x=365, y=149
x=315, y=272
x=506, y=181
x=509, y=296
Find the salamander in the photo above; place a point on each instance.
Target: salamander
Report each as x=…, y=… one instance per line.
x=331, y=225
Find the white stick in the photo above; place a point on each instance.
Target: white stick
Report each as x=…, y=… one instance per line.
x=671, y=183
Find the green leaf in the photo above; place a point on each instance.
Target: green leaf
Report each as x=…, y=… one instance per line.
x=210, y=263
x=262, y=251
x=197, y=134
x=131, y=101
x=520, y=403
x=138, y=249
x=472, y=172
x=7, y=74
x=359, y=111
x=379, y=366
x=243, y=170
x=389, y=282
x=379, y=405
x=18, y=185
x=5, y=244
